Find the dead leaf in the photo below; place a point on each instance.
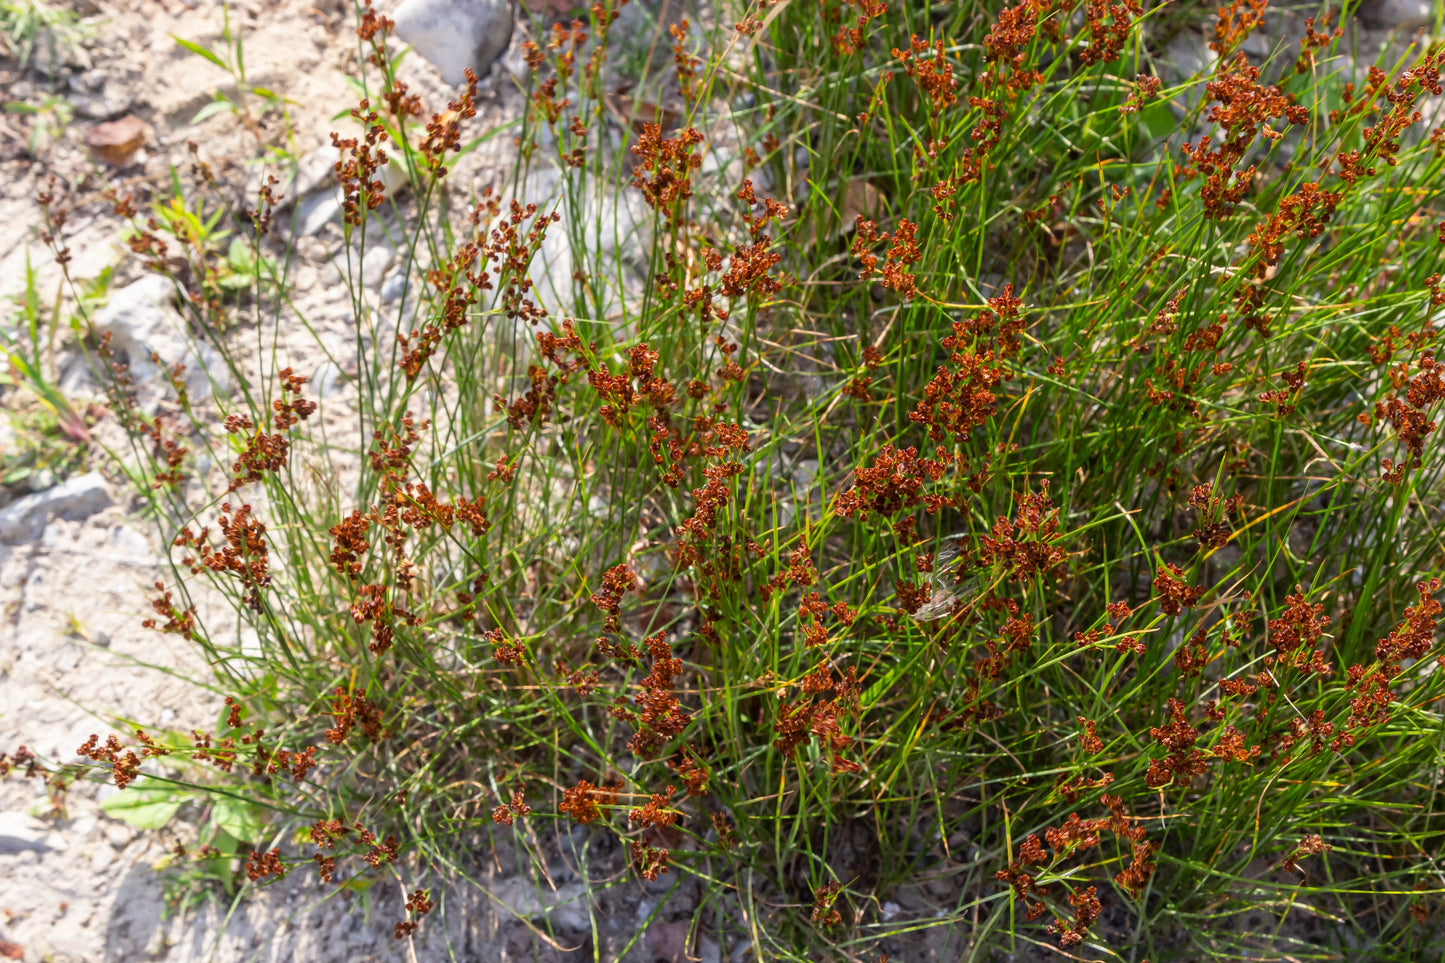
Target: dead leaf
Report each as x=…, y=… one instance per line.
x=11, y=951
x=550, y=7
x=859, y=198
x=116, y=141
x=634, y=113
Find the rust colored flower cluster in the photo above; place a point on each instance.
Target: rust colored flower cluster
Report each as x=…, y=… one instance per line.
x=661, y=717
x=685, y=62
x=1086, y=908
x=1310, y=845
x=849, y=40
x=506, y=813
x=1183, y=761
x=505, y=649
x=584, y=801
x=1212, y=527
x=1146, y=88
x=360, y=162
x=1316, y=40
x=260, y=865
x=403, y=508
x=1175, y=595
x=1243, y=108
x=749, y=265
x=124, y=763
x=1009, y=39
x=418, y=902
x=894, y=485
x=961, y=396
x=1297, y=631
x=817, y=714
x=22, y=756
x=1371, y=686
x=1107, y=26
x=664, y=169
x=933, y=74
x=373, y=29
x=1028, y=546
x=444, y=131
x=903, y=252
x=1304, y=213
x=825, y=910
x=180, y=621
x=536, y=405
x=352, y=710
x=243, y=554
x=1408, y=416
x=1089, y=741
x=1234, y=23
x=696, y=530
x=617, y=581
x=1068, y=839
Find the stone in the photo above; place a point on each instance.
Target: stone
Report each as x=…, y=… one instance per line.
x=118, y=834
x=1396, y=14
x=315, y=210
x=326, y=382
x=294, y=177
x=74, y=499
x=77, y=380
x=97, y=95
x=21, y=833
x=566, y=906
x=129, y=544
x=394, y=286
x=374, y=264
x=456, y=34
x=141, y=319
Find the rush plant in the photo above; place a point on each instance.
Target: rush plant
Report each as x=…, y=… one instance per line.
x=999, y=462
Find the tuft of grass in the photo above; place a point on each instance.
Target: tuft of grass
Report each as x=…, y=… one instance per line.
x=31, y=27
x=1005, y=504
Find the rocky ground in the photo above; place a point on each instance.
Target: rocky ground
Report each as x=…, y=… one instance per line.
x=115, y=109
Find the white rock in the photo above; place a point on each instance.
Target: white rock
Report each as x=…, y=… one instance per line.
x=118, y=834
x=77, y=380
x=394, y=286
x=129, y=543
x=374, y=264
x=456, y=34
x=566, y=906
x=19, y=833
x=326, y=381
x=1396, y=14
x=141, y=319
x=314, y=211
x=76, y=498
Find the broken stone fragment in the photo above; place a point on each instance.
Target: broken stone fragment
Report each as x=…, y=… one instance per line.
x=456, y=34
x=74, y=499
x=150, y=334
x=1396, y=14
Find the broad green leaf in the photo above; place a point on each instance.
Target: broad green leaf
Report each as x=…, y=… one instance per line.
x=145, y=803
x=240, y=819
